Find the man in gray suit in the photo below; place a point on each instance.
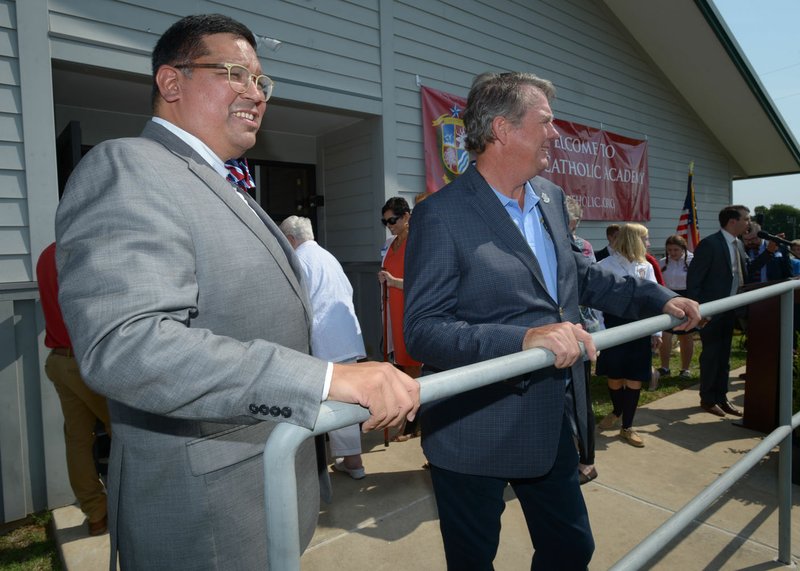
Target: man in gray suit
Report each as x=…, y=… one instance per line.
x=185, y=306
x=491, y=270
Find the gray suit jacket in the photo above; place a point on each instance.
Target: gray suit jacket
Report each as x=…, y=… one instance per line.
x=472, y=289
x=186, y=310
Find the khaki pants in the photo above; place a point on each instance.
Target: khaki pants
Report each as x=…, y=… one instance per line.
x=82, y=407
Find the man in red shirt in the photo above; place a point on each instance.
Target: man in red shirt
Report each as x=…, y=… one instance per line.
x=81, y=406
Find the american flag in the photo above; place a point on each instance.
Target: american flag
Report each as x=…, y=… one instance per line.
x=687, y=224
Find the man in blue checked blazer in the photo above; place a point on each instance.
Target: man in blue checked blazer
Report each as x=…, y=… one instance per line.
x=491, y=270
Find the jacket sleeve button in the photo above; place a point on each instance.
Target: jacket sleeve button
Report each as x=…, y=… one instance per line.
x=263, y=409
x=286, y=412
x=275, y=411
x=253, y=408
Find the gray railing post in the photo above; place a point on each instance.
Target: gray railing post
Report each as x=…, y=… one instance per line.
x=280, y=484
x=283, y=535
x=785, y=419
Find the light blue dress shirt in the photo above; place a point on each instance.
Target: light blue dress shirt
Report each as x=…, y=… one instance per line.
x=530, y=222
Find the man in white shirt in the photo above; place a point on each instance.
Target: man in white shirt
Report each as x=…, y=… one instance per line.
x=335, y=331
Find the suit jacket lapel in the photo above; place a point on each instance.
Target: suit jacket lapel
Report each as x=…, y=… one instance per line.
x=494, y=214
x=259, y=223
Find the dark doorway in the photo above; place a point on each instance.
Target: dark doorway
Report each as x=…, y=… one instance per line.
x=68, y=153
x=284, y=189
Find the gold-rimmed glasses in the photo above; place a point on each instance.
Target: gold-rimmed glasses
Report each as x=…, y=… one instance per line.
x=239, y=77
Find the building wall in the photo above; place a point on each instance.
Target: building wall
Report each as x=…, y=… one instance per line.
x=367, y=56
x=14, y=239
x=602, y=78
x=32, y=465
x=357, y=57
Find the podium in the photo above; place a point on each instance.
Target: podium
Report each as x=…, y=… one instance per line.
x=763, y=360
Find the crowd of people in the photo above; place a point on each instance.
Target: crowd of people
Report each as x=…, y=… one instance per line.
x=198, y=322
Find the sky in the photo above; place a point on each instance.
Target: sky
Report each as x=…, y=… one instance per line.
x=766, y=32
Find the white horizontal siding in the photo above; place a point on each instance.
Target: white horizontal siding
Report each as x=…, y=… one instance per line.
x=11, y=242
x=15, y=268
x=329, y=45
x=348, y=162
x=14, y=243
x=602, y=78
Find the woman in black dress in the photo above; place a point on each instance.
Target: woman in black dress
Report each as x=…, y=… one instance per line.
x=628, y=365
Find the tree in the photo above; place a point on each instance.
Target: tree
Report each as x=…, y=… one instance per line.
x=779, y=218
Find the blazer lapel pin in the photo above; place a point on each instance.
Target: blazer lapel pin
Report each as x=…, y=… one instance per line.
x=545, y=198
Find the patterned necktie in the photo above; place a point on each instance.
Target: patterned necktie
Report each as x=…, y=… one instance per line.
x=239, y=174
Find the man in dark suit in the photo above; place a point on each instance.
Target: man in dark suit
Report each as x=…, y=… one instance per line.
x=767, y=261
x=491, y=270
x=611, y=233
x=718, y=270
x=186, y=308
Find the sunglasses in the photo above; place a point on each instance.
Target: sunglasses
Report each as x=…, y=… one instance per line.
x=393, y=220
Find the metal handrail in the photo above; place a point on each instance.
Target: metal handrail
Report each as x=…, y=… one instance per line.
x=280, y=486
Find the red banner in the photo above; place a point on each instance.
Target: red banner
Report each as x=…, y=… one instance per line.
x=605, y=172
x=443, y=136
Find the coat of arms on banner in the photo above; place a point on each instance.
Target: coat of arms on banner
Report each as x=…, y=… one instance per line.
x=452, y=142
x=444, y=137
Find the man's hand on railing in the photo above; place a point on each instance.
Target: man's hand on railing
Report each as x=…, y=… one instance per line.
x=562, y=340
x=390, y=395
x=681, y=307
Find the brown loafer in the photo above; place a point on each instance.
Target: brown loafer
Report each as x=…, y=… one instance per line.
x=728, y=407
x=98, y=527
x=712, y=408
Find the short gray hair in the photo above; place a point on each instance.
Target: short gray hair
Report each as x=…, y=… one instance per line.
x=498, y=95
x=752, y=231
x=299, y=227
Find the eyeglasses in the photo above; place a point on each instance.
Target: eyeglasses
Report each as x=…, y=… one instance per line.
x=239, y=77
x=393, y=220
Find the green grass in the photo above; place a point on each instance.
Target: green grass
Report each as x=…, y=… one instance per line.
x=667, y=385
x=27, y=546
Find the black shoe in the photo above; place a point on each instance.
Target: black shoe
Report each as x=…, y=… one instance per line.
x=712, y=408
x=728, y=407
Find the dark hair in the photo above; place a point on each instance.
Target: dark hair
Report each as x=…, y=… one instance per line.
x=396, y=204
x=183, y=42
x=498, y=95
x=612, y=229
x=675, y=240
x=733, y=212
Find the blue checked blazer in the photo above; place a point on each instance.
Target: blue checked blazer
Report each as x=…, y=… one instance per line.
x=472, y=289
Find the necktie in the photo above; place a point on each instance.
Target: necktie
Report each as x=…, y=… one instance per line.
x=239, y=174
x=738, y=274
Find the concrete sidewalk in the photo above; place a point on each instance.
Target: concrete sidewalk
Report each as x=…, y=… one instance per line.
x=388, y=521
